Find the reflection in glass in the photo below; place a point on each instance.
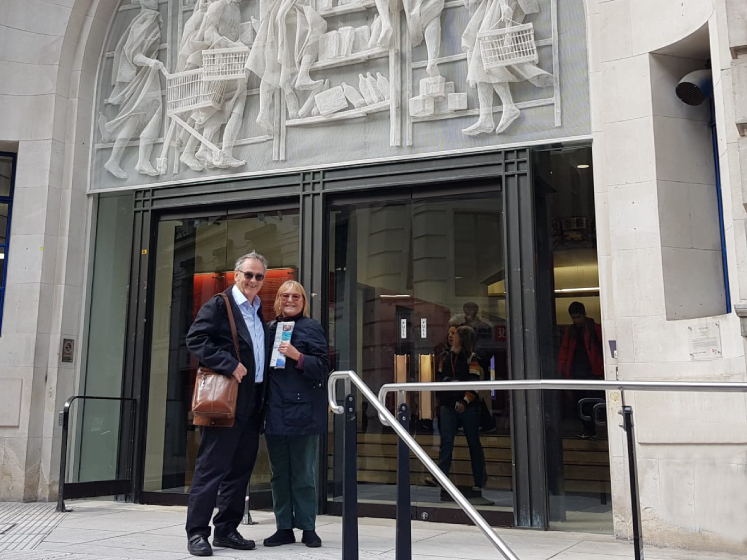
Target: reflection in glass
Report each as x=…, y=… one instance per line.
x=195, y=260
x=577, y=450
x=6, y=170
x=3, y=222
x=100, y=420
x=401, y=272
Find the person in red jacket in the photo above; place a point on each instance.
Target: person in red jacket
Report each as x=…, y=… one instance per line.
x=581, y=356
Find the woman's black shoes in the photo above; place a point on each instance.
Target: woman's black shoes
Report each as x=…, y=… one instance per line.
x=311, y=539
x=281, y=537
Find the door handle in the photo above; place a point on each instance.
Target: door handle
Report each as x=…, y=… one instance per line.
x=426, y=375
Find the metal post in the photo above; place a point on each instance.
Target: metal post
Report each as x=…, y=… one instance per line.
x=635, y=504
x=63, y=458
x=404, y=528
x=350, y=482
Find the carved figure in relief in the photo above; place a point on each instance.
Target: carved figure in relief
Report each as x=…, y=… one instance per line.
x=190, y=47
x=137, y=91
x=281, y=60
x=424, y=22
x=220, y=28
x=490, y=15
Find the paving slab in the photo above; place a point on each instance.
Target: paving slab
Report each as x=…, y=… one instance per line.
x=98, y=530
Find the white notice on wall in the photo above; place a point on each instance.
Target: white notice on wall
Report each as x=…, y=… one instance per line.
x=705, y=341
x=403, y=329
x=423, y=328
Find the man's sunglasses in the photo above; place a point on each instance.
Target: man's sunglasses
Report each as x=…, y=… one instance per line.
x=251, y=275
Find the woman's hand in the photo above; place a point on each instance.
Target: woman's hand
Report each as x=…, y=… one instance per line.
x=287, y=349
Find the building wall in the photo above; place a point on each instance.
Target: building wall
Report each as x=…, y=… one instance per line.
x=691, y=448
x=659, y=254
x=49, y=51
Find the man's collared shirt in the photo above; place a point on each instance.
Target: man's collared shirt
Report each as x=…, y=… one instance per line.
x=255, y=328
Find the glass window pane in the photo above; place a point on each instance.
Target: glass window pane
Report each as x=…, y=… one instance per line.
x=6, y=167
x=3, y=222
x=107, y=321
x=577, y=450
x=2, y=267
x=195, y=260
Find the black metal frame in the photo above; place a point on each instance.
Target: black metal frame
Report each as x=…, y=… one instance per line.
x=73, y=490
x=313, y=189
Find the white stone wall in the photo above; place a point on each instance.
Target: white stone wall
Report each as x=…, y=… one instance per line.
x=49, y=50
x=654, y=196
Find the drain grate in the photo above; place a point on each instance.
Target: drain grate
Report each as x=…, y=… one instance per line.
x=25, y=526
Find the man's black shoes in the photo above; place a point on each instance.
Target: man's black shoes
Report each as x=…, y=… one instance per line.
x=311, y=539
x=280, y=537
x=199, y=546
x=233, y=540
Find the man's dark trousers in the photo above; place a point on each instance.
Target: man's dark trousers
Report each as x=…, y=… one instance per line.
x=224, y=462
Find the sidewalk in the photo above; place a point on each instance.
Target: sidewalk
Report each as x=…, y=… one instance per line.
x=104, y=530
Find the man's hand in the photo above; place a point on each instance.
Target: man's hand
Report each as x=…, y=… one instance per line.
x=239, y=372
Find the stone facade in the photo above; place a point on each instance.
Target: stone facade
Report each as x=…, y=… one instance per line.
x=658, y=248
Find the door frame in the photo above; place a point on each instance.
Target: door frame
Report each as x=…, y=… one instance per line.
x=261, y=500
x=310, y=191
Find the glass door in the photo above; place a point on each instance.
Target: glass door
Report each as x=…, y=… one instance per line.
x=404, y=268
x=195, y=260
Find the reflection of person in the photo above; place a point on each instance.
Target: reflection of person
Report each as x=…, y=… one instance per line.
x=296, y=417
x=460, y=408
x=137, y=91
x=581, y=356
x=490, y=15
x=226, y=456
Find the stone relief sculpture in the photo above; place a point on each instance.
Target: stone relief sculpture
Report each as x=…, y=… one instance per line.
x=289, y=47
x=494, y=15
x=137, y=91
x=424, y=22
x=220, y=29
x=281, y=60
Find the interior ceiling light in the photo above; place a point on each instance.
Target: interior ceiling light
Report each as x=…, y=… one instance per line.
x=570, y=290
x=583, y=166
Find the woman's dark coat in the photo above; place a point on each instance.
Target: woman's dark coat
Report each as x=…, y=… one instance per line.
x=297, y=399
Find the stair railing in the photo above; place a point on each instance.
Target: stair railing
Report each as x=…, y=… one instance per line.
x=406, y=441
x=568, y=384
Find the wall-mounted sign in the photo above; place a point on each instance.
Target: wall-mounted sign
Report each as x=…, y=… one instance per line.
x=68, y=350
x=705, y=341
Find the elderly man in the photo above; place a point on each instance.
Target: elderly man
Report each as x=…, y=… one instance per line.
x=226, y=456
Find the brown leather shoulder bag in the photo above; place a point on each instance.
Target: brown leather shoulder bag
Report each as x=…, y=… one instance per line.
x=215, y=394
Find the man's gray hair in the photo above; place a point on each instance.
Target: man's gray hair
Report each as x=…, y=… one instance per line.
x=252, y=255
x=458, y=320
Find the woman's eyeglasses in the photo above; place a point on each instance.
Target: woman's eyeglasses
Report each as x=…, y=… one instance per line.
x=251, y=275
x=294, y=297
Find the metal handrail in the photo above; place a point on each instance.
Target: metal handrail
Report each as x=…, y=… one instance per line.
x=64, y=422
x=561, y=384
x=574, y=384
x=487, y=530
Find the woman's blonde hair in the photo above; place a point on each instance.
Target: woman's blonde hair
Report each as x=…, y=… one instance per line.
x=288, y=286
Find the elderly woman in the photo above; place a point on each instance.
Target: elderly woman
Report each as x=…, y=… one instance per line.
x=296, y=416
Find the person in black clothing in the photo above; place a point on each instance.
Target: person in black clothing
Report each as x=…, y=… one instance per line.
x=226, y=455
x=296, y=417
x=460, y=408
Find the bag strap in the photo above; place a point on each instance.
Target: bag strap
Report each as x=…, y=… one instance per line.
x=231, y=321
